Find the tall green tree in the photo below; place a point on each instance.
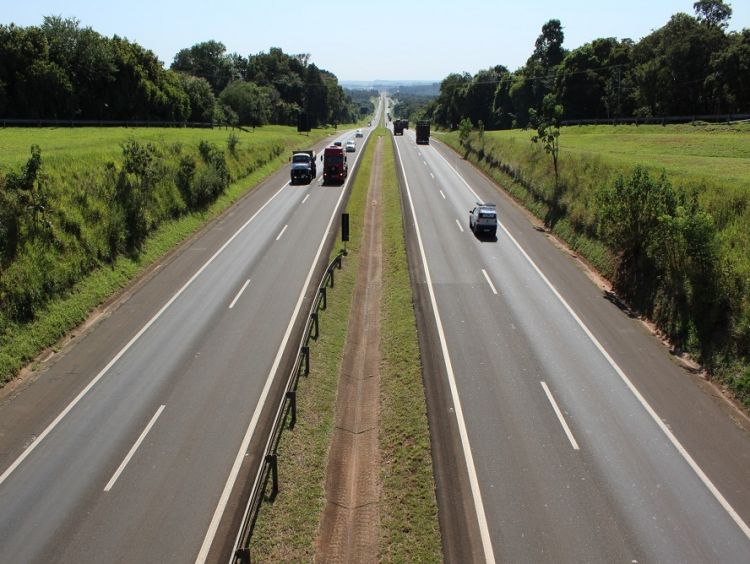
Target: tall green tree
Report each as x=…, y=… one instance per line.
x=713, y=12
x=208, y=60
x=251, y=102
x=201, y=97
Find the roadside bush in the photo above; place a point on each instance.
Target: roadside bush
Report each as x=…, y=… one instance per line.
x=232, y=142
x=201, y=185
x=666, y=262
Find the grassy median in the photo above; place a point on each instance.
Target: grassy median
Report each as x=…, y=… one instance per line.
x=408, y=515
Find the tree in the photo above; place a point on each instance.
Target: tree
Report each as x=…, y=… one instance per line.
x=206, y=60
x=316, y=97
x=713, y=12
x=479, y=95
x=450, y=107
x=730, y=74
x=200, y=96
x=548, y=49
x=672, y=65
x=547, y=125
x=251, y=102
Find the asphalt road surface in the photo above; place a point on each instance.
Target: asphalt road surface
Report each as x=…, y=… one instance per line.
x=580, y=440
x=127, y=448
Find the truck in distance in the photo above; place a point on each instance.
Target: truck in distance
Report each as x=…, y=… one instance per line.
x=335, y=168
x=303, y=167
x=423, y=132
x=399, y=125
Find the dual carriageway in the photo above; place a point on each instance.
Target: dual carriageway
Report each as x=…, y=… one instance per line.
x=562, y=430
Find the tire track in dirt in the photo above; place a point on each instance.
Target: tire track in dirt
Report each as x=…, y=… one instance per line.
x=350, y=525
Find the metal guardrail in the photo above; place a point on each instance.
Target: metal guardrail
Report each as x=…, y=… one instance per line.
x=659, y=120
x=18, y=122
x=287, y=407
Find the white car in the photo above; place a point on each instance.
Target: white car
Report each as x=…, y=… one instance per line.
x=483, y=219
x=359, y=133
x=351, y=146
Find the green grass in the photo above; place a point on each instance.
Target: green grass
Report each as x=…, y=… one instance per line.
x=286, y=530
x=408, y=515
x=719, y=154
x=82, y=161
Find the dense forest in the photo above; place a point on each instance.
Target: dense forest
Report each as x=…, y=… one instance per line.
x=689, y=66
x=60, y=70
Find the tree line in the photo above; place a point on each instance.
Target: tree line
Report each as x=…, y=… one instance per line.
x=60, y=70
x=689, y=66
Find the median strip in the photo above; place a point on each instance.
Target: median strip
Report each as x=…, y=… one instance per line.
x=288, y=529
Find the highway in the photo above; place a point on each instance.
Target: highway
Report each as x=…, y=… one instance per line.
x=562, y=430
x=133, y=444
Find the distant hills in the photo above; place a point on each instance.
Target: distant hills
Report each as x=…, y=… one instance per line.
x=428, y=87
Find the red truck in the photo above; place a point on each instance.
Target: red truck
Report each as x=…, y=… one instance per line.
x=335, y=168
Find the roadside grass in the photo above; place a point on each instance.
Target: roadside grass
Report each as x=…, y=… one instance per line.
x=21, y=343
x=715, y=153
x=410, y=531
x=286, y=529
x=707, y=162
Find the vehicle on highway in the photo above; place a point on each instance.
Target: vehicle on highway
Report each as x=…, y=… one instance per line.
x=359, y=133
x=338, y=143
x=303, y=167
x=423, y=132
x=351, y=146
x=335, y=167
x=399, y=125
x=483, y=219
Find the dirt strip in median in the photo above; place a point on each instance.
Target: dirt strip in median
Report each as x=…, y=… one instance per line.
x=350, y=525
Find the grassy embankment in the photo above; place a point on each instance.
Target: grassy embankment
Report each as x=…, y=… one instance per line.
x=72, y=266
x=710, y=163
x=286, y=530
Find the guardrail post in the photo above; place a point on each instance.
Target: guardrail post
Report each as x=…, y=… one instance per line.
x=324, y=301
x=306, y=352
x=291, y=395
x=271, y=459
x=314, y=317
x=243, y=555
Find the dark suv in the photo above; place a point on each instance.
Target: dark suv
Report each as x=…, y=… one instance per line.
x=483, y=219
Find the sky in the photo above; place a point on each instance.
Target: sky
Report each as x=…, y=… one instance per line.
x=380, y=40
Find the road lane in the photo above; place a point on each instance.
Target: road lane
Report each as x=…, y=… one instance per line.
x=628, y=493
x=205, y=361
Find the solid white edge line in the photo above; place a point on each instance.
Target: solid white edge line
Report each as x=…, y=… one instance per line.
x=305, y=198
x=487, y=277
x=650, y=410
x=460, y=226
x=442, y=194
x=237, y=297
x=129, y=344
x=560, y=417
x=468, y=457
x=134, y=448
x=234, y=472
x=282, y=232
